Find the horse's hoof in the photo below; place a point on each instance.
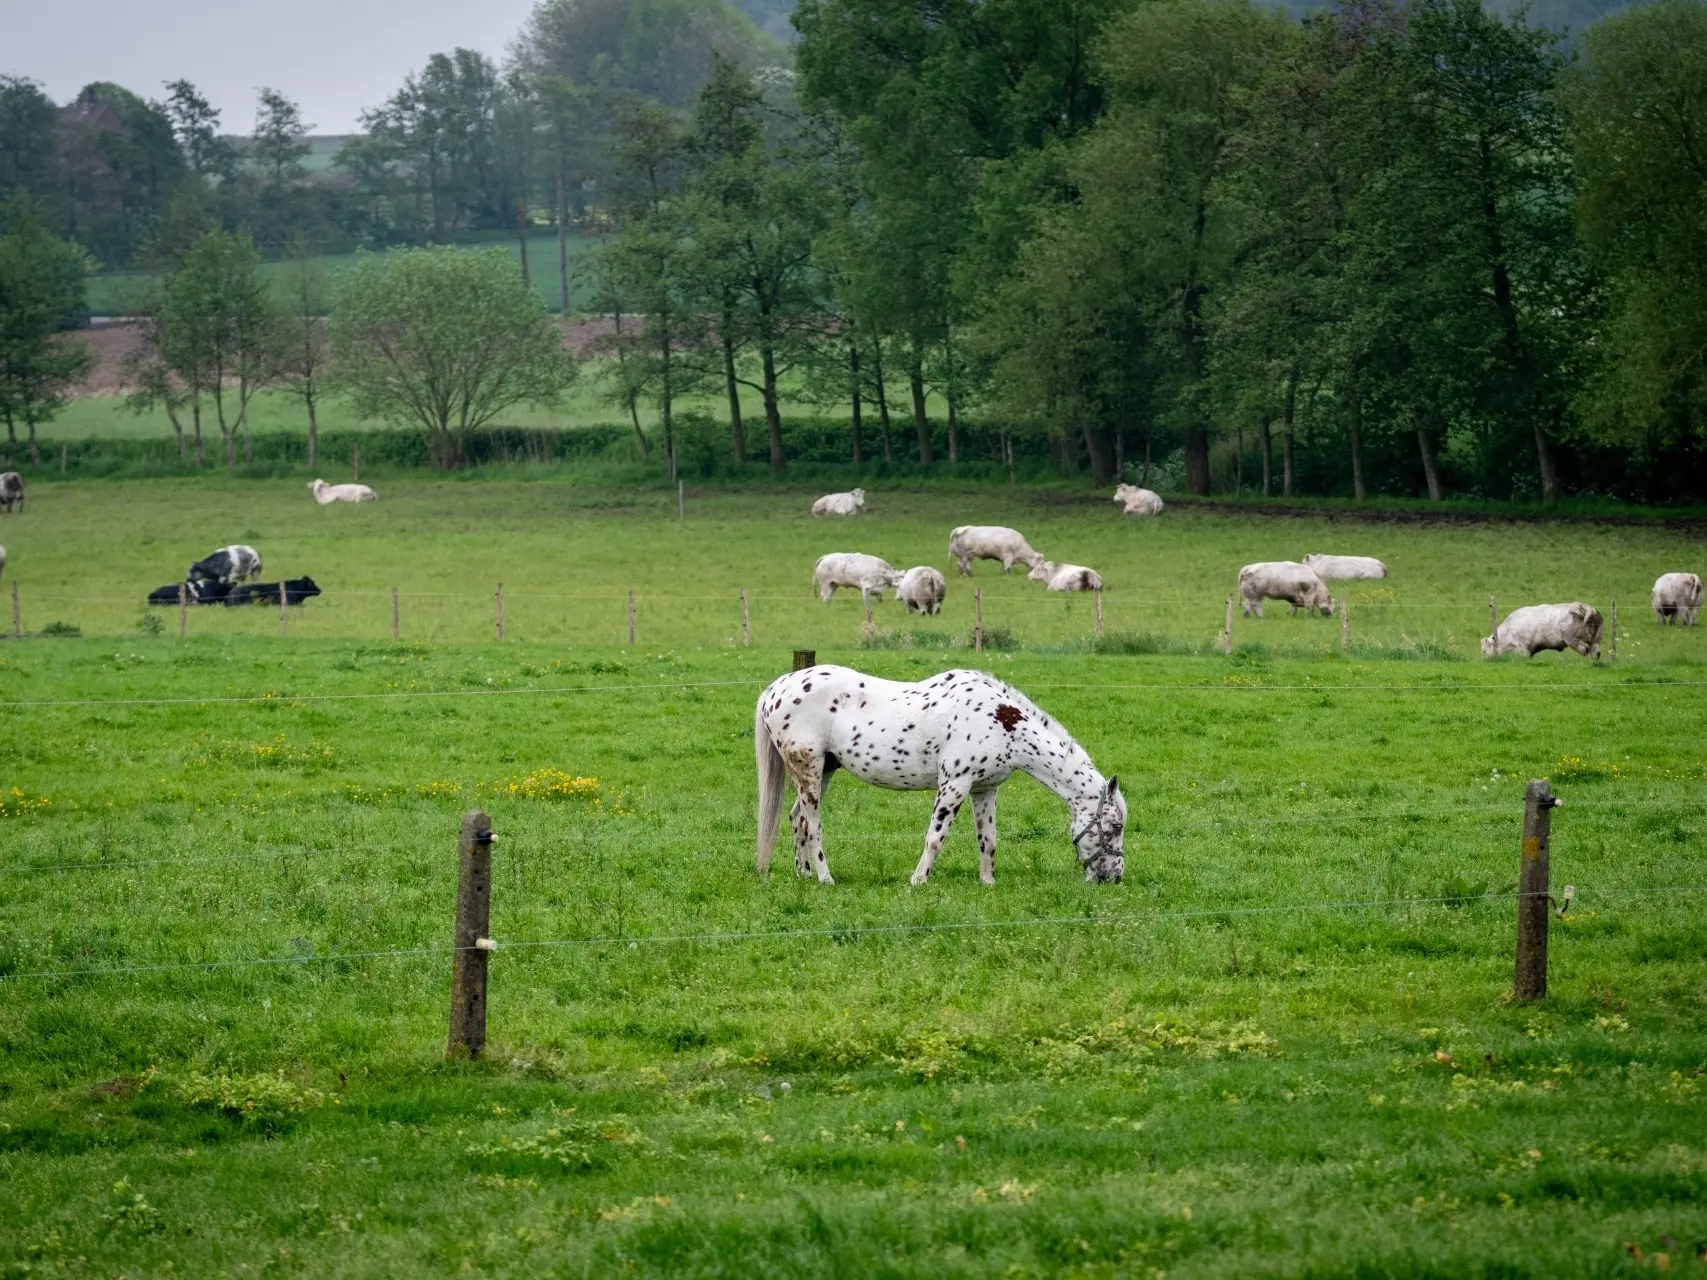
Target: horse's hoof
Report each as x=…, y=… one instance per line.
x=918, y=879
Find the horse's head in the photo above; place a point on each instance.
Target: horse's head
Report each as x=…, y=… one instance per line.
x=1099, y=834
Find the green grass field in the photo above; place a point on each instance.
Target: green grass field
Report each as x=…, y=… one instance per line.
x=1282, y=1047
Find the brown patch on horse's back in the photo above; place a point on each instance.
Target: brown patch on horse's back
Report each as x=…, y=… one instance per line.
x=1008, y=717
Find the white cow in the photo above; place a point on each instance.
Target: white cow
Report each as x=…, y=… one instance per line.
x=11, y=490
x=1297, y=584
x=1345, y=568
x=1136, y=501
x=1677, y=595
x=989, y=542
x=1546, y=626
x=922, y=590
x=325, y=493
x=853, y=569
x=1065, y=577
x=840, y=504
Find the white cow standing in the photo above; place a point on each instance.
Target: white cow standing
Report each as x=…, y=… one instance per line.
x=1136, y=501
x=853, y=569
x=990, y=542
x=840, y=504
x=1546, y=626
x=1345, y=568
x=922, y=589
x=1297, y=584
x=327, y=493
x=1065, y=577
x=1677, y=595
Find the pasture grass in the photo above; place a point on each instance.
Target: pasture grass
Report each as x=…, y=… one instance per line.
x=1218, y=1067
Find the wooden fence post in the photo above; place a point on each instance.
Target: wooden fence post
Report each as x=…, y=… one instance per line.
x=284, y=607
x=1532, y=899
x=1227, y=635
x=500, y=615
x=1493, y=616
x=870, y=630
x=396, y=627
x=746, y=630
x=804, y=658
x=631, y=617
x=356, y=461
x=17, y=622
x=473, y=919
x=1099, y=613
x=1615, y=630
x=183, y=610
x=978, y=620
x=1345, y=623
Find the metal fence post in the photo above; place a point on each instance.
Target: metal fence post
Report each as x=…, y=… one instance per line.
x=1532, y=899
x=746, y=630
x=472, y=946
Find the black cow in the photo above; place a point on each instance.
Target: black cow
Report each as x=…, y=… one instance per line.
x=197, y=591
x=296, y=590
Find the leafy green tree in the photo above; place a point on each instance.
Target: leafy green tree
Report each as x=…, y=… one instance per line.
x=29, y=156
x=444, y=340
x=41, y=291
x=195, y=122
x=302, y=358
x=223, y=330
x=1638, y=121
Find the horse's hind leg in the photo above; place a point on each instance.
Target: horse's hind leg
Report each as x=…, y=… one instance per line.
x=806, y=821
x=949, y=797
x=984, y=814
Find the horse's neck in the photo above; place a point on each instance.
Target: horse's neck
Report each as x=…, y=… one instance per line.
x=1065, y=768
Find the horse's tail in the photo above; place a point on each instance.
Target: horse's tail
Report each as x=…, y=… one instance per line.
x=772, y=778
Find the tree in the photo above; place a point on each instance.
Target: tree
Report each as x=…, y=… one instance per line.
x=195, y=121
x=443, y=339
x=301, y=337
x=1638, y=122
x=41, y=291
x=223, y=330
x=28, y=154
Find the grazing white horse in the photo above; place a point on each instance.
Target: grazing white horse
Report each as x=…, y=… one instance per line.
x=961, y=734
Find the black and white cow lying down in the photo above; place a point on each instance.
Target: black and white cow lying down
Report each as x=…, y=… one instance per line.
x=203, y=591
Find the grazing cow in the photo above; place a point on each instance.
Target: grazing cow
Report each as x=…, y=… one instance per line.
x=325, y=493
x=840, y=504
x=296, y=590
x=1297, y=584
x=989, y=542
x=11, y=490
x=960, y=734
x=228, y=565
x=922, y=590
x=196, y=591
x=1345, y=568
x=1676, y=595
x=1546, y=626
x=1065, y=577
x=1136, y=501
x=853, y=569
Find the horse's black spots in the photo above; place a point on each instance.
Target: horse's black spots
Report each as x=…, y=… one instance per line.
x=807, y=689
x=797, y=702
x=1008, y=717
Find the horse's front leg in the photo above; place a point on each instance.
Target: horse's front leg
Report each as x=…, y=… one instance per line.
x=950, y=795
x=984, y=814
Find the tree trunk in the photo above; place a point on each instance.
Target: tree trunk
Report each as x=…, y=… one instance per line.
x=1544, y=459
x=1354, y=428
x=853, y=392
x=921, y=424
x=1267, y=457
x=1144, y=479
x=522, y=239
x=313, y=430
x=737, y=431
x=1096, y=444
x=773, y=415
x=1120, y=455
x=1431, y=468
x=1197, y=459
x=35, y=449
x=196, y=414
x=633, y=399
x=1239, y=462
x=666, y=398
x=243, y=425
x=1286, y=434
x=562, y=242
x=177, y=428
x=953, y=433
x=882, y=403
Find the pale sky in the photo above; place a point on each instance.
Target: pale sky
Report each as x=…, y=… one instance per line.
x=334, y=57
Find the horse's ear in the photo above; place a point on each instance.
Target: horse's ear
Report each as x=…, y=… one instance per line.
x=1113, y=788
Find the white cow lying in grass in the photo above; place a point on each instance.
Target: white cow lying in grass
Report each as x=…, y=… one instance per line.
x=1677, y=595
x=1065, y=577
x=1297, y=584
x=990, y=542
x=325, y=493
x=840, y=504
x=1136, y=501
x=1345, y=568
x=922, y=590
x=1546, y=626
x=853, y=569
